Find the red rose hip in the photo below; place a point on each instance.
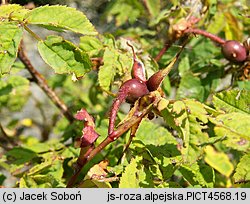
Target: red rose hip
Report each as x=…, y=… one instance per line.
x=234, y=51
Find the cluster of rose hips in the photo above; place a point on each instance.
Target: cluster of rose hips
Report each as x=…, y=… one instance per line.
x=139, y=86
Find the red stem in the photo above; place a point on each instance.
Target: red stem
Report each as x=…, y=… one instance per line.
x=122, y=94
x=206, y=34
x=83, y=159
x=162, y=51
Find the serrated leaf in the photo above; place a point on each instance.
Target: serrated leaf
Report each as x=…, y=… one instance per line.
x=114, y=63
x=129, y=178
x=189, y=118
x=63, y=56
x=61, y=17
x=237, y=133
x=232, y=101
x=242, y=172
x=10, y=37
x=219, y=161
x=89, y=135
x=198, y=174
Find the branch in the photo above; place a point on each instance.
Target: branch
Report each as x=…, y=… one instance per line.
x=41, y=82
x=124, y=127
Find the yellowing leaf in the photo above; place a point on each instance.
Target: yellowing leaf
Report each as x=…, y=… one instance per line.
x=219, y=161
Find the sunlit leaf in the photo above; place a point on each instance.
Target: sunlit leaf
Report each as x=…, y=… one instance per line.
x=232, y=101
x=242, y=172
x=129, y=177
x=61, y=17
x=63, y=56
x=10, y=37
x=237, y=134
x=219, y=161
x=13, y=12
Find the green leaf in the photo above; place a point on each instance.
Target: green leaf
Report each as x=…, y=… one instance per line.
x=21, y=155
x=219, y=161
x=12, y=12
x=232, y=27
x=184, y=66
x=232, y=101
x=161, y=135
x=190, y=87
x=237, y=133
x=14, y=92
x=108, y=70
x=2, y=178
x=120, y=10
x=198, y=175
x=10, y=37
x=90, y=44
x=47, y=181
x=242, y=172
x=129, y=178
x=189, y=118
x=63, y=56
x=217, y=23
x=153, y=7
x=27, y=182
x=61, y=17
x=114, y=63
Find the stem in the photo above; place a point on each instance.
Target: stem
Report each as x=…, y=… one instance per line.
x=121, y=96
x=41, y=82
x=134, y=128
x=206, y=34
x=167, y=45
x=32, y=33
x=110, y=138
